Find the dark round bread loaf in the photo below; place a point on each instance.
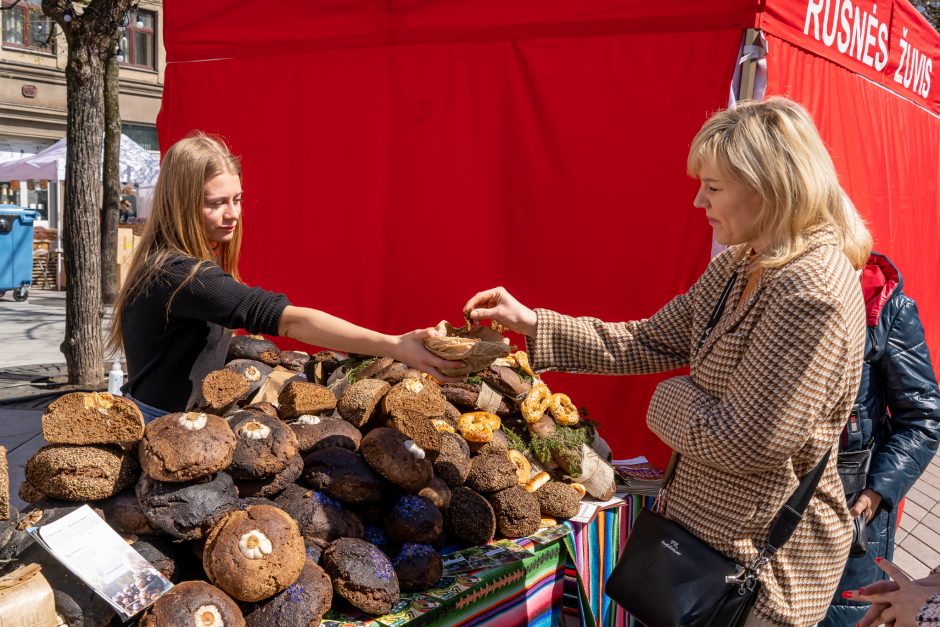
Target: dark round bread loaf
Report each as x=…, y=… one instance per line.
x=418, y=566
x=414, y=518
x=264, y=447
x=558, y=500
x=362, y=575
x=437, y=492
x=316, y=432
x=517, y=512
x=303, y=603
x=470, y=517
x=322, y=518
x=124, y=514
x=343, y=475
x=294, y=360
x=186, y=510
x=272, y=484
x=491, y=473
x=194, y=603
x=386, y=451
x=453, y=463
x=254, y=347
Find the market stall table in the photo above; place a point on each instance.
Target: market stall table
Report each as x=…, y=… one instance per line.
x=558, y=581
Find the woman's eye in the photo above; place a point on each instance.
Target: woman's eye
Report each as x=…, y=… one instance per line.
x=713, y=189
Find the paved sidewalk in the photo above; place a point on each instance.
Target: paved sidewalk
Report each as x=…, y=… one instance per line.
x=31, y=331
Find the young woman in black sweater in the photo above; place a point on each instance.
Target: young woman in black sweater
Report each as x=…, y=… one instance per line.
x=183, y=295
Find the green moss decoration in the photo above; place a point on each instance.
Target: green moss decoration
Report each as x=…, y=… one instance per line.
x=353, y=374
x=567, y=442
x=515, y=440
x=473, y=379
x=525, y=376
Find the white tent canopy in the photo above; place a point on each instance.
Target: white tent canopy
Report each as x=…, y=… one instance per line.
x=138, y=167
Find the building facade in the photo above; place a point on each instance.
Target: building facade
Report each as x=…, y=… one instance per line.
x=33, y=56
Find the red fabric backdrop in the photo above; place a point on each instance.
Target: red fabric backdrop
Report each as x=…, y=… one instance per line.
x=887, y=152
x=387, y=183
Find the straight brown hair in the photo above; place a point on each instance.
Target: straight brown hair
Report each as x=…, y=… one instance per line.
x=175, y=225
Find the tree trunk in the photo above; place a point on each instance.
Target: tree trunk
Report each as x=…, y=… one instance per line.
x=90, y=35
x=84, y=78
x=110, y=212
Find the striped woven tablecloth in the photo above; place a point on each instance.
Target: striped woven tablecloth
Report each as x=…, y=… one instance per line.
x=560, y=582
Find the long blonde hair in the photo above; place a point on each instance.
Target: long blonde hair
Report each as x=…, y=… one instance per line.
x=175, y=224
x=774, y=148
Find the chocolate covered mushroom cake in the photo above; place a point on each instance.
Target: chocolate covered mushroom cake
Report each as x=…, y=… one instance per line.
x=194, y=604
x=264, y=446
x=186, y=446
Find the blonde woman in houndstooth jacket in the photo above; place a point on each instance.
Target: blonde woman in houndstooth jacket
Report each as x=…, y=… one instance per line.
x=773, y=384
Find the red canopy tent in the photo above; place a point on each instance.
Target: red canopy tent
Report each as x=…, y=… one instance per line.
x=401, y=155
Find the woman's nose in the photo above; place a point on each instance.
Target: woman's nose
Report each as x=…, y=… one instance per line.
x=232, y=210
x=701, y=201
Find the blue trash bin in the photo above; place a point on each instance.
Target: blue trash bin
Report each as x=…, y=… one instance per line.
x=16, y=250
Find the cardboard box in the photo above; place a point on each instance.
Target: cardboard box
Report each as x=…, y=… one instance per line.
x=125, y=244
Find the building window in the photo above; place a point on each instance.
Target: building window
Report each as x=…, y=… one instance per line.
x=138, y=44
x=145, y=136
x=24, y=26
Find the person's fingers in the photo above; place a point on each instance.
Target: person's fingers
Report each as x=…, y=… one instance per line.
x=856, y=510
x=437, y=362
x=486, y=297
x=441, y=377
x=484, y=314
x=893, y=571
x=871, y=616
x=877, y=587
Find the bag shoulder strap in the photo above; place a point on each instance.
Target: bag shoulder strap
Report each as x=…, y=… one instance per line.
x=719, y=309
x=791, y=513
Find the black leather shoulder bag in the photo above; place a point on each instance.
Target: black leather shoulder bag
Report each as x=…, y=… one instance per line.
x=668, y=577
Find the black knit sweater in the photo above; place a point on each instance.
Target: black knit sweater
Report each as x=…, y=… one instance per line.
x=168, y=356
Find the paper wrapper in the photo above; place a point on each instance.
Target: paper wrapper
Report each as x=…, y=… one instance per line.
x=477, y=348
x=273, y=385
x=26, y=599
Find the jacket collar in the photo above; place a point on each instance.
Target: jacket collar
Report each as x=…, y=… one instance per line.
x=816, y=236
x=880, y=279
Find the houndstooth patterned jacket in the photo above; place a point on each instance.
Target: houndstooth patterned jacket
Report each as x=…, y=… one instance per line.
x=768, y=393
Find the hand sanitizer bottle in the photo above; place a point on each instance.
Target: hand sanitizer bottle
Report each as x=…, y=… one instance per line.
x=115, y=378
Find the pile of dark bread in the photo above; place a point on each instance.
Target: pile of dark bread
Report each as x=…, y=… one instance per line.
x=298, y=482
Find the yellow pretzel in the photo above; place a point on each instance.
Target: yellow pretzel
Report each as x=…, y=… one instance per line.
x=522, y=361
x=537, y=481
x=580, y=489
x=478, y=426
x=563, y=410
x=536, y=402
x=442, y=425
x=523, y=467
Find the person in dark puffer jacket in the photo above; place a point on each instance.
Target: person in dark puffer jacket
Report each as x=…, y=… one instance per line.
x=897, y=413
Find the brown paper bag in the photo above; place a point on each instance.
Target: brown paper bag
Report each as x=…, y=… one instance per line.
x=26, y=599
x=272, y=387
